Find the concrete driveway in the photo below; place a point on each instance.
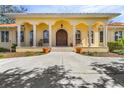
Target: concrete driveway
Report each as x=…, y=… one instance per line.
x=80, y=65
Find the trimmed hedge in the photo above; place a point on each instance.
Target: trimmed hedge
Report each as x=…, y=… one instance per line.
x=3, y=49
x=114, y=46
x=120, y=52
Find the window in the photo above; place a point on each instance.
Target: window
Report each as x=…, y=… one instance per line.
x=22, y=36
x=31, y=38
x=92, y=37
x=101, y=36
x=46, y=36
x=118, y=34
x=4, y=36
x=78, y=36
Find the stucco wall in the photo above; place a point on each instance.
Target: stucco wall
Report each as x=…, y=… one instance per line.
x=42, y=24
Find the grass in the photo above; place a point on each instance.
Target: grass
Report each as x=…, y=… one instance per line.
x=19, y=54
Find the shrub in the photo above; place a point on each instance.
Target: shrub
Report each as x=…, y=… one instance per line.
x=121, y=42
x=13, y=47
x=120, y=52
x=3, y=49
x=114, y=46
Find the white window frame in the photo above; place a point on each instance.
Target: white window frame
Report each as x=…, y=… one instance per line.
x=5, y=36
x=118, y=35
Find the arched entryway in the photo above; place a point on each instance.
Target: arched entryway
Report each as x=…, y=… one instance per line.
x=61, y=38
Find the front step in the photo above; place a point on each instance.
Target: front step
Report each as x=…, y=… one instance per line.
x=62, y=49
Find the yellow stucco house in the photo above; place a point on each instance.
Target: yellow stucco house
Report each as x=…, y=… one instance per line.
x=33, y=31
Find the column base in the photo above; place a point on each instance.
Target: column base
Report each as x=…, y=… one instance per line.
x=33, y=46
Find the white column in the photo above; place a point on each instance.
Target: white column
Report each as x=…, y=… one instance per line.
x=34, y=35
x=74, y=35
x=106, y=32
x=50, y=35
x=18, y=35
x=105, y=35
x=89, y=36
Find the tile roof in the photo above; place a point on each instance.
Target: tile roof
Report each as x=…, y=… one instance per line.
x=8, y=25
x=116, y=24
x=111, y=24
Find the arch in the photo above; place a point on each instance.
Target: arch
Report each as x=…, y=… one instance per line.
x=42, y=23
x=82, y=23
x=98, y=23
x=42, y=27
x=61, y=37
x=62, y=21
x=26, y=22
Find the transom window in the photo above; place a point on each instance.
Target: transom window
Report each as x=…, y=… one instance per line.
x=78, y=36
x=4, y=36
x=101, y=36
x=46, y=36
x=118, y=35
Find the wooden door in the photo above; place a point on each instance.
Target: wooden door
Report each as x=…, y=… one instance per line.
x=61, y=38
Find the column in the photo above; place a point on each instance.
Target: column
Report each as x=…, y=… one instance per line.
x=34, y=35
x=89, y=36
x=105, y=35
x=18, y=35
x=50, y=35
x=74, y=35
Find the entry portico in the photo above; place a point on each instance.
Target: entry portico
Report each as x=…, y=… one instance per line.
x=62, y=29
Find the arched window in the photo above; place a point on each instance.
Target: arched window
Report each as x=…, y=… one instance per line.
x=78, y=36
x=101, y=36
x=92, y=37
x=46, y=36
x=118, y=35
x=101, y=29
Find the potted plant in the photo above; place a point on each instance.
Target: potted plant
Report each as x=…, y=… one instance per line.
x=13, y=47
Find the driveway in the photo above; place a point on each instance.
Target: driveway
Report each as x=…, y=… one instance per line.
x=78, y=66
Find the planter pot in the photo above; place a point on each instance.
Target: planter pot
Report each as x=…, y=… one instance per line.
x=46, y=50
x=78, y=50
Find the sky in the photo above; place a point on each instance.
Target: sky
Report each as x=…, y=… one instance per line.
x=78, y=9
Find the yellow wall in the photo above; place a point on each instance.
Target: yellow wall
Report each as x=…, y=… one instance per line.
x=12, y=37
x=42, y=24
x=111, y=33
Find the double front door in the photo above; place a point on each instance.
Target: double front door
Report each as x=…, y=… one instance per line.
x=61, y=38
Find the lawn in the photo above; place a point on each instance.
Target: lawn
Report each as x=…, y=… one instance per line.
x=19, y=54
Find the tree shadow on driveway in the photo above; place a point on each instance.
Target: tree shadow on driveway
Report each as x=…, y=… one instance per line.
x=57, y=77
x=114, y=70
x=51, y=77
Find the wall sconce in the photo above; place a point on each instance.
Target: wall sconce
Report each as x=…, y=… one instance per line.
x=61, y=25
